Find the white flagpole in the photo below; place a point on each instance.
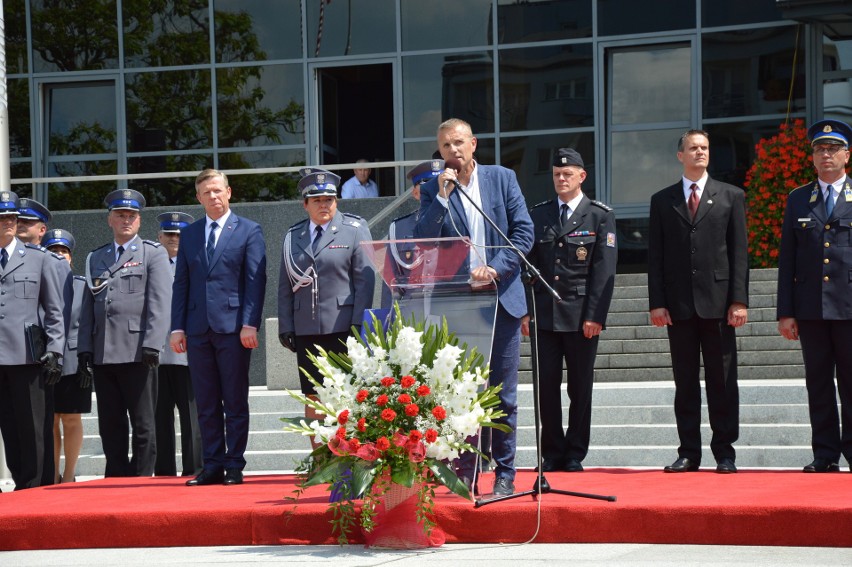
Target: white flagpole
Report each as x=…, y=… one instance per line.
x=5, y=176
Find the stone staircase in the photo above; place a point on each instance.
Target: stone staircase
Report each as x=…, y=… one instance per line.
x=632, y=420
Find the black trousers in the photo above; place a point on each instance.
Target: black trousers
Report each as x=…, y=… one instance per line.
x=174, y=390
x=826, y=349
x=49, y=467
x=715, y=341
x=22, y=419
x=127, y=391
x=578, y=354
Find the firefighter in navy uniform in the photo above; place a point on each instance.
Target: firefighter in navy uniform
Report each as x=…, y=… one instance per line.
x=124, y=321
x=575, y=251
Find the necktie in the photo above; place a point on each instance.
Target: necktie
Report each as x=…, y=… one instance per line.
x=119, y=251
x=693, y=200
x=211, y=241
x=829, y=200
x=563, y=214
x=4, y=257
x=315, y=244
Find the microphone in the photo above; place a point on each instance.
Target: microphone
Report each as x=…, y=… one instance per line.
x=452, y=163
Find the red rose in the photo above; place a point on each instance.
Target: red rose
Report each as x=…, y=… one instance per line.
x=388, y=414
x=368, y=452
x=382, y=444
x=416, y=452
x=431, y=435
x=415, y=436
x=423, y=390
x=354, y=445
x=382, y=400
x=404, y=399
x=388, y=381
x=343, y=417
x=439, y=413
x=362, y=395
x=341, y=433
x=362, y=425
x=407, y=381
x=411, y=410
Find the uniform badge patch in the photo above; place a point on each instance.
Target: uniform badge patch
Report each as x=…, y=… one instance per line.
x=610, y=239
x=582, y=253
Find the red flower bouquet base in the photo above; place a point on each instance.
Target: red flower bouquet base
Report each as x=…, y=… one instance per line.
x=396, y=525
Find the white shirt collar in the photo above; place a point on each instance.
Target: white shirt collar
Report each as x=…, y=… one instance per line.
x=572, y=204
x=838, y=185
x=687, y=184
x=126, y=245
x=220, y=222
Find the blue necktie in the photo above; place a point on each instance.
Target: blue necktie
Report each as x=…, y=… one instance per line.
x=563, y=216
x=4, y=257
x=315, y=243
x=829, y=201
x=211, y=241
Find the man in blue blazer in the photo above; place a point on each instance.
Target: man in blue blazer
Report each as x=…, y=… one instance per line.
x=445, y=213
x=217, y=303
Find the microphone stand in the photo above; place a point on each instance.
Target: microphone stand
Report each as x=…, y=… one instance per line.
x=531, y=275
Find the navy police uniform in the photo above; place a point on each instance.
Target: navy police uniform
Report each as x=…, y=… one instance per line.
x=323, y=287
x=34, y=286
x=174, y=390
x=814, y=288
x=578, y=259
x=124, y=321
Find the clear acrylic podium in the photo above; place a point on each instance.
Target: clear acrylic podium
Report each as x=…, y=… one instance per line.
x=430, y=279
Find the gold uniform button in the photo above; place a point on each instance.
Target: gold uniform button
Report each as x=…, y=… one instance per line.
x=825, y=279
x=556, y=278
x=826, y=244
x=827, y=227
x=826, y=261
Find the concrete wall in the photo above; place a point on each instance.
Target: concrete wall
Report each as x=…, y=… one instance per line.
x=91, y=231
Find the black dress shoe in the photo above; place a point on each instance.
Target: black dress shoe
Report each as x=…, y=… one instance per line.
x=503, y=486
x=682, y=465
x=207, y=477
x=572, y=465
x=726, y=466
x=821, y=465
x=233, y=476
x=550, y=465
x=472, y=488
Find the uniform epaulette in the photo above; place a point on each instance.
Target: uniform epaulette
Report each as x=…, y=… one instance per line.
x=107, y=245
x=35, y=247
x=604, y=206
x=153, y=243
x=542, y=203
x=354, y=220
x=57, y=255
x=298, y=225
x=808, y=186
x=404, y=216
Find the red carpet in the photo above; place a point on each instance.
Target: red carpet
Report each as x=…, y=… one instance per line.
x=749, y=508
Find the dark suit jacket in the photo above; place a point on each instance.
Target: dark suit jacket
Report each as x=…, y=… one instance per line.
x=503, y=201
x=229, y=292
x=698, y=267
x=815, y=246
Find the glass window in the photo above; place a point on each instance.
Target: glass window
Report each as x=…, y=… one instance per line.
x=463, y=86
x=168, y=192
x=837, y=99
x=20, y=138
x=266, y=186
x=732, y=147
x=421, y=150
x=68, y=38
x=351, y=27
x=445, y=24
x=650, y=85
x=78, y=195
x=173, y=33
x=750, y=72
x=81, y=119
x=21, y=170
x=546, y=87
x=836, y=55
x=15, y=18
x=257, y=30
x=168, y=110
x=260, y=106
x=642, y=163
x=543, y=21
x=734, y=12
x=531, y=157
x=616, y=17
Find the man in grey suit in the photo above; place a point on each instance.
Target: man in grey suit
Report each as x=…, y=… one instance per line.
x=37, y=297
x=326, y=280
x=124, y=319
x=174, y=385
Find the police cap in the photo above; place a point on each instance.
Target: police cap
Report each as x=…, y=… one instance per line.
x=58, y=237
x=318, y=182
x=830, y=132
x=31, y=209
x=174, y=221
x=125, y=199
x=8, y=203
x=563, y=157
x=425, y=171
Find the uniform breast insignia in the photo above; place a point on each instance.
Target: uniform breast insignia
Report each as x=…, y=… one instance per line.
x=582, y=233
x=332, y=246
x=582, y=253
x=131, y=264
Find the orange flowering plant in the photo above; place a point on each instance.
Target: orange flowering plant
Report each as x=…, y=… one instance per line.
x=398, y=407
x=782, y=163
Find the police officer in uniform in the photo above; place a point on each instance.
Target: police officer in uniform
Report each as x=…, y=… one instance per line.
x=326, y=280
x=404, y=257
x=124, y=321
x=73, y=393
x=174, y=385
x=575, y=250
x=34, y=286
x=814, y=291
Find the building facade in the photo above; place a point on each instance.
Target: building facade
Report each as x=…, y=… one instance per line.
x=131, y=87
